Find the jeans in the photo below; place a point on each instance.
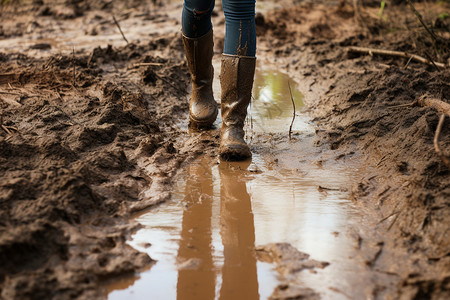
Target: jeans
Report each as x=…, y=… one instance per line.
x=240, y=34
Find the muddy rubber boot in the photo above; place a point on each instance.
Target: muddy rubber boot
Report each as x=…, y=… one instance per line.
x=202, y=106
x=236, y=80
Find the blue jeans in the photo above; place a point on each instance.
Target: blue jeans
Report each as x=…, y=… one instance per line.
x=240, y=34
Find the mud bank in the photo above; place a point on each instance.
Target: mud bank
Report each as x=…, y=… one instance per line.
x=89, y=135
x=367, y=104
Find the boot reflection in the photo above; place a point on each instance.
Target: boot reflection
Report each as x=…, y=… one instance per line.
x=196, y=276
x=238, y=236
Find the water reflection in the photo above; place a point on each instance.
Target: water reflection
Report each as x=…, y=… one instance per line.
x=238, y=237
x=271, y=110
x=196, y=276
x=272, y=96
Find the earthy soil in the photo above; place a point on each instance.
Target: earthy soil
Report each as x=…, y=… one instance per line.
x=87, y=137
x=366, y=103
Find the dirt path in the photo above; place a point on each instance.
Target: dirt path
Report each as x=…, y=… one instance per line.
x=88, y=137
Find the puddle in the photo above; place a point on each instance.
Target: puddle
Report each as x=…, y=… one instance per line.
x=272, y=109
x=204, y=238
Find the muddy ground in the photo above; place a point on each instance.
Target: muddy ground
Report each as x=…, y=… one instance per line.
x=88, y=137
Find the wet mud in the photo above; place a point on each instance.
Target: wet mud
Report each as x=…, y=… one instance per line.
x=93, y=130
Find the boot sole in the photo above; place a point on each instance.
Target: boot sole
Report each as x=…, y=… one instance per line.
x=204, y=124
x=235, y=153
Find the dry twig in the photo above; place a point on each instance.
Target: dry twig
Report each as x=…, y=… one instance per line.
x=415, y=57
x=431, y=60
x=435, y=38
x=73, y=64
x=146, y=64
x=293, y=105
x=425, y=101
x=120, y=29
x=436, y=142
x=9, y=93
x=7, y=129
x=438, y=105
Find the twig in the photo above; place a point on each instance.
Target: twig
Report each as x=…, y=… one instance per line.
x=73, y=64
x=435, y=38
x=91, y=56
x=407, y=64
x=9, y=93
x=393, y=221
x=324, y=188
x=6, y=129
x=436, y=142
x=424, y=101
x=390, y=215
x=415, y=102
x=431, y=60
x=439, y=105
x=357, y=11
x=415, y=57
x=120, y=29
x=147, y=64
x=293, y=116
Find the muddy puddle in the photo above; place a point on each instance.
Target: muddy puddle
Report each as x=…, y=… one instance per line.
x=204, y=239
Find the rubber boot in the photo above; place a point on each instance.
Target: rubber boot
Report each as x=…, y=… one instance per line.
x=202, y=106
x=236, y=80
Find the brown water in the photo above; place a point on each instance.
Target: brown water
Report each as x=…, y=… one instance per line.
x=204, y=238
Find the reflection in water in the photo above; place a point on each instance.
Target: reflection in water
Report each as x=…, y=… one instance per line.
x=271, y=110
x=272, y=97
x=196, y=277
x=238, y=237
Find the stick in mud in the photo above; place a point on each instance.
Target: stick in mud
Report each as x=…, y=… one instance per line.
x=120, y=29
x=431, y=60
x=440, y=106
x=415, y=57
x=147, y=64
x=293, y=117
x=436, y=142
x=73, y=64
x=418, y=15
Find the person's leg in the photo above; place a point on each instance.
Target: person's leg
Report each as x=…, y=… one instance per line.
x=240, y=34
x=198, y=46
x=236, y=77
x=196, y=17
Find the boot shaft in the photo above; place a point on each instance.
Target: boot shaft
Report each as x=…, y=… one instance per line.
x=236, y=80
x=202, y=106
x=199, y=54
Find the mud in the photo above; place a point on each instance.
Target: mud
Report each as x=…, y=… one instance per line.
x=365, y=106
x=88, y=136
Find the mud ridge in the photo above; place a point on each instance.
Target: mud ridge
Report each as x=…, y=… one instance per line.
x=364, y=104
